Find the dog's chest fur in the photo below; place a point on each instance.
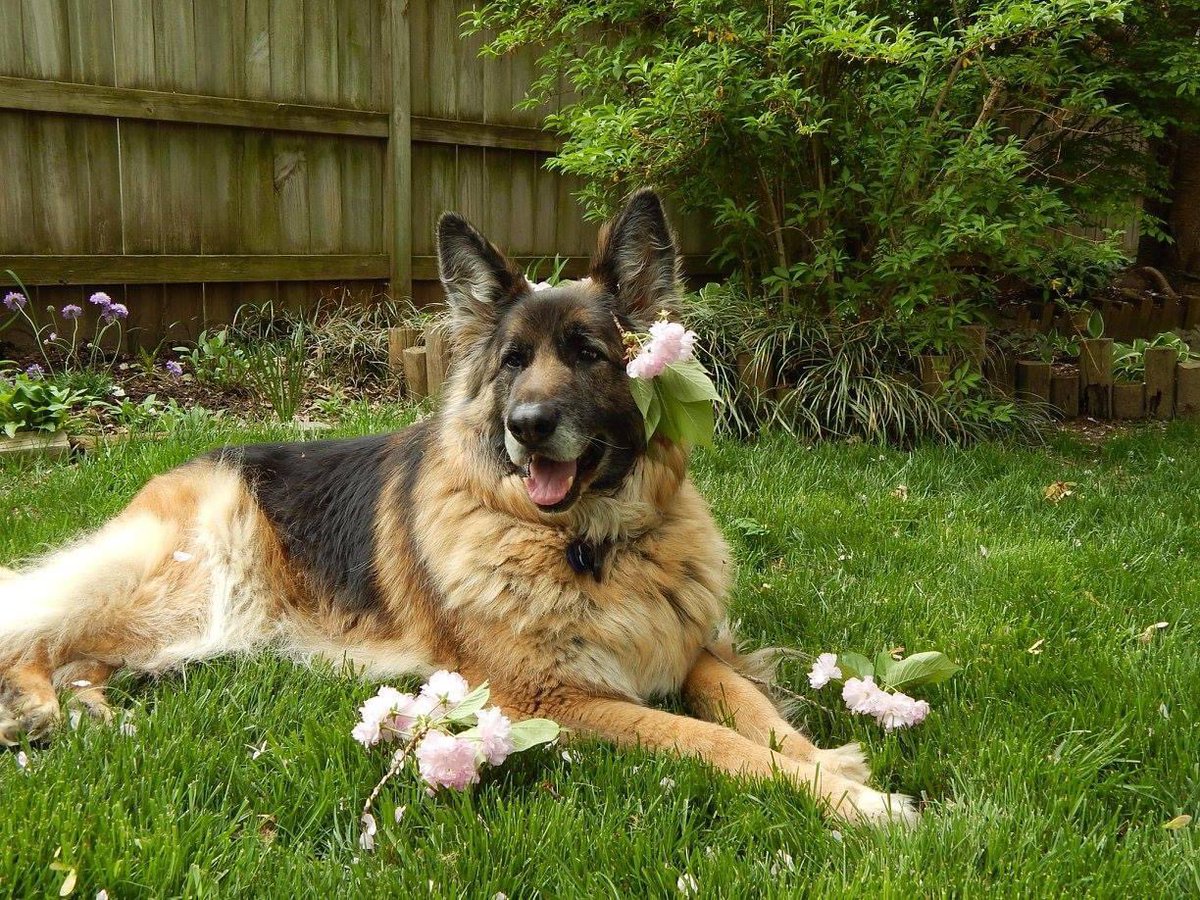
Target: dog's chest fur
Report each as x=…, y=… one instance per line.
x=635, y=632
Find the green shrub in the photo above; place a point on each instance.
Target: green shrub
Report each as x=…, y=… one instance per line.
x=891, y=163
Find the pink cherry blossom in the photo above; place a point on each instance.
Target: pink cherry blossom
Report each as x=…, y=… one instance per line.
x=387, y=715
x=645, y=365
x=495, y=739
x=824, y=670
x=901, y=711
x=669, y=343
x=863, y=696
x=447, y=761
x=446, y=688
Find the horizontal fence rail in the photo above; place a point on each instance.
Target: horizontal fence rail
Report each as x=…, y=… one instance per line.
x=31, y=95
x=188, y=156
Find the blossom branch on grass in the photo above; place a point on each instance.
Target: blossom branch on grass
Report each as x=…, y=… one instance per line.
x=447, y=729
x=863, y=696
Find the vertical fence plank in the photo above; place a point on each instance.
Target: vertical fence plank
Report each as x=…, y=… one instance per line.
x=286, y=26
x=256, y=61
x=12, y=47
x=16, y=200
x=322, y=26
x=400, y=154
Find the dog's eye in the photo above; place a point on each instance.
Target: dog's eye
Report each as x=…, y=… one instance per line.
x=590, y=354
x=513, y=359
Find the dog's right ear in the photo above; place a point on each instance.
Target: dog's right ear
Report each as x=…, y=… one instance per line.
x=479, y=281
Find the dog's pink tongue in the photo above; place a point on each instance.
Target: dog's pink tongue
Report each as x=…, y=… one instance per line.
x=549, y=480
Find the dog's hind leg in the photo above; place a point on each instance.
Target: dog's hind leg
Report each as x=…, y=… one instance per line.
x=714, y=690
x=85, y=680
x=83, y=605
x=30, y=704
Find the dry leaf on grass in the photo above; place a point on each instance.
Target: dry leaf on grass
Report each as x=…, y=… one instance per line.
x=1180, y=821
x=901, y=492
x=1149, y=631
x=1058, y=491
x=1037, y=646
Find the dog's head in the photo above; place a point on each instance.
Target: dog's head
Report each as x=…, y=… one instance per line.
x=546, y=369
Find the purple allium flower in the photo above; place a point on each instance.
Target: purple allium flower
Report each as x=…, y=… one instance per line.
x=114, y=311
x=34, y=370
x=14, y=301
x=174, y=368
x=101, y=299
x=71, y=311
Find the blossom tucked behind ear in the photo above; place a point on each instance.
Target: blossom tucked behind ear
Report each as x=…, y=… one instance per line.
x=669, y=343
x=447, y=761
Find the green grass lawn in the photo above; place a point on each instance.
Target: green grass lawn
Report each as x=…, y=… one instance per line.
x=1046, y=773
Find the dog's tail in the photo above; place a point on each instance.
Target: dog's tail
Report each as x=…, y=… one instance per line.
x=53, y=601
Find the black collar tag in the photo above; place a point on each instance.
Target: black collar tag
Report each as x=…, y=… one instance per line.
x=585, y=557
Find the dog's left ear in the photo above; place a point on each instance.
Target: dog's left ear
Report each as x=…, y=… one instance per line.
x=636, y=259
x=479, y=281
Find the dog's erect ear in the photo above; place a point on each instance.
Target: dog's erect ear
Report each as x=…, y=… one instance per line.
x=636, y=260
x=479, y=281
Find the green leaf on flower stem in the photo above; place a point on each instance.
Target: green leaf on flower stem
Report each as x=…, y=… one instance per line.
x=855, y=665
x=643, y=393
x=930, y=667
x=531, y=732
x=883, y=664
x=688, y=382
x=470, y=704
x=687, y=424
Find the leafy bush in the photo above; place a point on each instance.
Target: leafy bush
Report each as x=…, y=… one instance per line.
x=35, y=404
x=891, y=163
x=216, y=359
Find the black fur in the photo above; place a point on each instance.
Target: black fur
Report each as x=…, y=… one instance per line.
x=323, y=497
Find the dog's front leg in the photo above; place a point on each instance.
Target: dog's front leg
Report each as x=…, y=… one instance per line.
x=629, y=724
x=714, y=690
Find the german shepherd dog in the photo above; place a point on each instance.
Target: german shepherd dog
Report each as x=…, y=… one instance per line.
x=525, y=535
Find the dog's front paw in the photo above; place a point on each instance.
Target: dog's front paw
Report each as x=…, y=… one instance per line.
x=870, y=807
x=849, y=761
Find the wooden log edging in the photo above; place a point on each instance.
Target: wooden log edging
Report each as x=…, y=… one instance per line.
x=1160, y=382
x=1064, y=393
x=1096, y=377
x=1033, y=381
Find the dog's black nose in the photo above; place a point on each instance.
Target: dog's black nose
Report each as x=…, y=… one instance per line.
x=532, y=423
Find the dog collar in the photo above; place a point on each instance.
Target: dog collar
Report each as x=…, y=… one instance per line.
x=585, y=557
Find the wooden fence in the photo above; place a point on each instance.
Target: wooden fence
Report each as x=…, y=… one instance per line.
x=188, y=156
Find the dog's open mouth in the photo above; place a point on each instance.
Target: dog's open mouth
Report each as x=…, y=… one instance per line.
x=550, y=480
x=554, y=484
